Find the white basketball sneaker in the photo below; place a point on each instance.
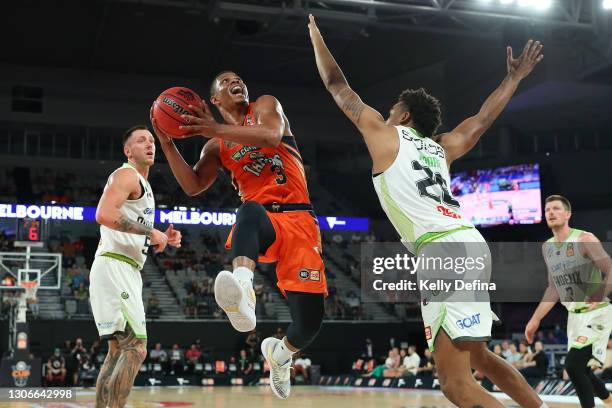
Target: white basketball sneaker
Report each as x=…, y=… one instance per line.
x=280, y=375
x=237, y=299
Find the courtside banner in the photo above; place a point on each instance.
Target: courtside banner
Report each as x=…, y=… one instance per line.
x=455, y=271
x=182, y=216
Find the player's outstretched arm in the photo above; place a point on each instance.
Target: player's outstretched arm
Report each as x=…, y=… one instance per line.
x=593, y=250
x=464, y=137
x=194, y=180
x=267, y=132
x=122, y=184
x=369, y=122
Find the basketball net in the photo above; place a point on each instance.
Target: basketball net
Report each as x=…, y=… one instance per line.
x=30, y=294
x=31, y=287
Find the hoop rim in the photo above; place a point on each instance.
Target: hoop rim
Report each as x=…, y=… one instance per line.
x=28, y=284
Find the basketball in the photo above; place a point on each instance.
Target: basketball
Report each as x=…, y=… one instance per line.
x=170, y=105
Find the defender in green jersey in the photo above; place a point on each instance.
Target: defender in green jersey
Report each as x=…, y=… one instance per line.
x=580, y=273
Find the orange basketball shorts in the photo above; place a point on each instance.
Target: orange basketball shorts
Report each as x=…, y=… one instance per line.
x=297, y=252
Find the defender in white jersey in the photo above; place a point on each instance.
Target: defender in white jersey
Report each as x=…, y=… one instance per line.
x=411, y=178
x=126, y=214
x=580, y=275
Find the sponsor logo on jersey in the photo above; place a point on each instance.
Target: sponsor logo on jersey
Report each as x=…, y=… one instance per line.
x=428, y=335
x=582, y=339
x=148, y=211
x=244, y=150
x=310, y=274
x=570, y=249
x=124, y=295
x=105, y=325
x=469, y=321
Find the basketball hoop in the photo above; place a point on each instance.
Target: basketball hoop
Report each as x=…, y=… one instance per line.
x=31, y=287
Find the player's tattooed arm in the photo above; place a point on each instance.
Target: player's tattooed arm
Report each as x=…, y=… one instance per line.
x=124, y=224
x=381, y=139
x=122, y=185
x=352, y=105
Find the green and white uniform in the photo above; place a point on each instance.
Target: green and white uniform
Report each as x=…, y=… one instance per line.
x=577, y=278
x=415, y=194
x=115, y=281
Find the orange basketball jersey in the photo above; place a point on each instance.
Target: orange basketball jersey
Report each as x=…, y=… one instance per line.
x=266, y=175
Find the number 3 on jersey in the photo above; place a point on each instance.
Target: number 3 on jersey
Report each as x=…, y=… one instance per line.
x=433, y=179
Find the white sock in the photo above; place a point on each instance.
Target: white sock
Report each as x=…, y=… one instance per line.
x=281, y=353
x=242, y=273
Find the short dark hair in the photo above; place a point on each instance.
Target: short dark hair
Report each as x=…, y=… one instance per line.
x=557, y=197
x=131, y=130
x=213, y=84
x=424, y=108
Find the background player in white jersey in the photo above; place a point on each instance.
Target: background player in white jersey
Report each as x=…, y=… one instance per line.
x=410, y=167
x=126, y=213
x=579, y=274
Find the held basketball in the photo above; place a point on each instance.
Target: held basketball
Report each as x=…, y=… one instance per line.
x=170, y=105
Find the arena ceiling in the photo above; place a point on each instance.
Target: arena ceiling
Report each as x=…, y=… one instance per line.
x=263, y=39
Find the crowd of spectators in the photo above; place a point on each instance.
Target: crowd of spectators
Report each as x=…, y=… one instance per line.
x=532, y=361
x=402, y=361
x=75, y=279
x=344, y=303
x=60, y=186
x=74, y=364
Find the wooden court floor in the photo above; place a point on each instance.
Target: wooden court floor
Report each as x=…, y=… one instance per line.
x=301, y=397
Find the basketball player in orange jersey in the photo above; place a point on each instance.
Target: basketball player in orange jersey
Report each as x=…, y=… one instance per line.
x=275, y=223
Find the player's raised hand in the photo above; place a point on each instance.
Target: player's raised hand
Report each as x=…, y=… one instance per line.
x=203, y=123
x=161, y=135
x=174, y=236
x=312, y=26
x=159, y=240
x=522, y=66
